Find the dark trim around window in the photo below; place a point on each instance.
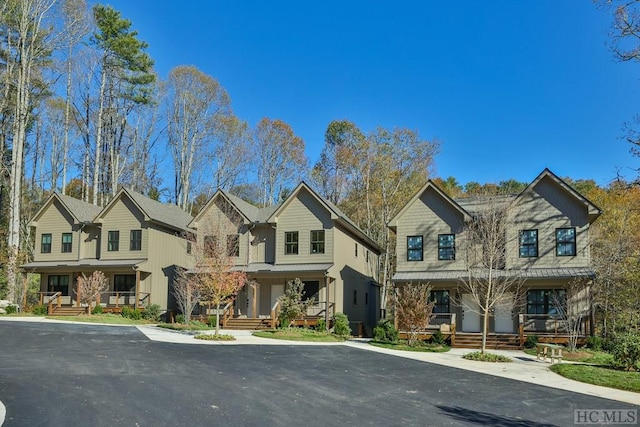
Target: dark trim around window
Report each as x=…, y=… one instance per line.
x=67, y=242
x=446, y=247
x=566, y=241
x=317, y=242
x=528, y=243
x=45, y=243
x=415, y=248
x=113, y=241
x=135, y=240
x=291, y=242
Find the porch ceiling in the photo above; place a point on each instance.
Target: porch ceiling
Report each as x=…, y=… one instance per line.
x=42, y=266
x=529, y=273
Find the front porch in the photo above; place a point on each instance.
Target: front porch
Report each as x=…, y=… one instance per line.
x=111, y=302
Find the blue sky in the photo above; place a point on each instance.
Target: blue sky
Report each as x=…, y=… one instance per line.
x=508, y=87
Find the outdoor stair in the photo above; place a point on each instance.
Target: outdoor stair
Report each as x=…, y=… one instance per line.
x=494, y=341
x=248, y=324
x=69, y=311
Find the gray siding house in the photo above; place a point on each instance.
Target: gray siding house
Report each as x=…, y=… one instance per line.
x=304, y=237
x=547, y=246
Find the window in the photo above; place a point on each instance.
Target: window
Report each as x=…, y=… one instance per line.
x=414, y=248
x=366, y=298
x=317, y=242
x=113, y=241
x=367, y=256
x=210, y=246
x=356, y=250
x=291, y=243
x=189, y=248
x=528, y=243
x=45, y=244
x=233, y=245
x=544, y=301
x=59, y=284
x=441, y=301
x=355, y=297
x=124, y=282
x=311, y=290
x=67, y=242
x=446, y=247
x=565, y=241
x=135, y=243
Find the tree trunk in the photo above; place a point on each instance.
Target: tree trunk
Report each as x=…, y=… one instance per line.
x=98, y=153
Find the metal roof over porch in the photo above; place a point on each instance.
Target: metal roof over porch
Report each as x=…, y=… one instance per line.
x=530, y=273
x=82, y=264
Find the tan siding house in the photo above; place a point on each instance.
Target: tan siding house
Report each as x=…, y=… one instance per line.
x=547, y=246
x=137, y=242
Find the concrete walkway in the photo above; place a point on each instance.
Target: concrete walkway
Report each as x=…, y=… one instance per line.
x=523, y=368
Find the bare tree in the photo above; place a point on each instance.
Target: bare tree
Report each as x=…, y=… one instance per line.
x=90, y=288
x=414, y=310
x=487, y=279
x=187, y=293
x=573, y=306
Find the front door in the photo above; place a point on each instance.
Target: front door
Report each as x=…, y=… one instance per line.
x=470, y=314
x=504, y=318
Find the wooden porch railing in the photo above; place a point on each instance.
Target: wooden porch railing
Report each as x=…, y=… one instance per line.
x=275, y=311
x=55, y=297
x=443, y=322
x=227, y=313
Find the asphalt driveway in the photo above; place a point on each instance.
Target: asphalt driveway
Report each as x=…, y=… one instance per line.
x=68, y=374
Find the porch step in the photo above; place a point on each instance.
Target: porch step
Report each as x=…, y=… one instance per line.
x=69, y=311
x=494, y=341
x=248, y=324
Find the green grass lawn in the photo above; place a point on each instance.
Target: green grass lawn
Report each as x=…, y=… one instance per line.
x=191, y=326
x=600, y=375
x=296, y=334
x=428, y=348
x=112, y=319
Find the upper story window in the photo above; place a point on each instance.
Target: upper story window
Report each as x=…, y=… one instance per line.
x=67, y=242
x=135, y=243
x=113, y=241
x=356, y=250
x=45, y=244
x=233, y=245
x=317, y=242
x=565, y=241
x=291, y=243
x=414, y=248
x=446, y=247
x=189, y=248
x=210, y=246
x=440, y=301
x=528, y=243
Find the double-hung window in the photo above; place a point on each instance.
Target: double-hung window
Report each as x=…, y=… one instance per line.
x=233, y=245
x=45, y=244
x=210, y=246
x=291, y=243
x=565, y=241
x=317, y=241
x=67, y=242
x=446, y=247
x=414, y=248
x=528, y=243
x=113, y=241
x=135, y=243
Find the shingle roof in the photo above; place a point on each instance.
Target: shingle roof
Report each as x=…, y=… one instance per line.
x=475, y=205
x=167, y=214
x=529, y=273
x=83, y=211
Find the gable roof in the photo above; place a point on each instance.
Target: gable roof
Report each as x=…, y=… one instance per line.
x=592, y=210
x=393, y=224
x=336, y=214
x=245, y=209
x=80, y=211
x=168, y=215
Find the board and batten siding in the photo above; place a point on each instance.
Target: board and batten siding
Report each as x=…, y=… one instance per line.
x=429, y=216
x=546, y=208
x=55, y=221
x=123, y=216
x=263, y=244
x=220, y=220
x=304, y=214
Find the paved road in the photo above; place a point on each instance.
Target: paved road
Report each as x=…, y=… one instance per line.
x=68, y=375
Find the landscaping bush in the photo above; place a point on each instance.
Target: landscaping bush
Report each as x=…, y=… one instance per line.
x=211, y=321
x=438, y=338
x=40, y=310
x=321, y=325
x=11, y=309
x=594, y=343
x=609, y=343
x=626, y=353
x=151, y=312
x=214, y=337
x=180, y=318
x=531, y=342
x=341, y=325
x=385, y=331
x=486, y=357
x=97, y=310
x=131, y=313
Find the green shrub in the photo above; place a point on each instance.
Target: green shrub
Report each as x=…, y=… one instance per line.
x=341, y=325
x=180, y=318
x=626, y=353
x=151, y=312
x=486, y=357
x=321, y=325
x=438, y=338
x=594, y=343
x=213, y=337
x=131, y=313
x=532, y=341
x=97, y=310
x=11, y=309
x=385, y=331
x=609, y=343
x=40, y=310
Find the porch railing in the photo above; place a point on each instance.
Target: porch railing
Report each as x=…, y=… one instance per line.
x=57, y=297
x=227, y=313
x=120, y=299
x=275, y=311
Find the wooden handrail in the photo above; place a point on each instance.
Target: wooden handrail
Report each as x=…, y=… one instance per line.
x=226, y=313
x=453, y=329
x=275, y=310
x=58, y=298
